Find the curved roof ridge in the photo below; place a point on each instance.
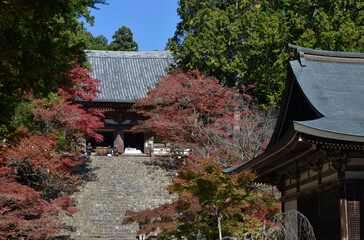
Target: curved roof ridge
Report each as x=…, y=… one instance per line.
x=327, y=53
x=129, y=54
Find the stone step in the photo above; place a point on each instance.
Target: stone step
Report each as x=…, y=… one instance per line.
x=117, y=184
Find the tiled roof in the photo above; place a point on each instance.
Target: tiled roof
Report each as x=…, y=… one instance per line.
x=125, y=76
x=333, y=83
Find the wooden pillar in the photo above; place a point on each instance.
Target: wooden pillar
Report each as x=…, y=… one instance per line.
x=344, y=219
x=344, y=213
x=298, y=178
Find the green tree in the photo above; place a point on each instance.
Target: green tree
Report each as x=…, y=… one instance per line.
x=211, y=205
x=241, y=42
x=95, y=43
x=123, y=40
x=39, y=41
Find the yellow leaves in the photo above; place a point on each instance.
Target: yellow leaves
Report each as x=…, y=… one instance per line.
x=257, y=5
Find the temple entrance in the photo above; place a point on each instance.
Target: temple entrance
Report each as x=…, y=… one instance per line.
x=134, y=140
x=108, y=140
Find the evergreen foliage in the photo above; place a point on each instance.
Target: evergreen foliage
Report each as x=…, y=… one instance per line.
x=39, y=42
x=242, y=42
x=123, y=40
x=95, y=43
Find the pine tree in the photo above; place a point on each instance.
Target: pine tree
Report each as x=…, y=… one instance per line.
x=123, y=40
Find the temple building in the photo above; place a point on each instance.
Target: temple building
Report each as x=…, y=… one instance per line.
x=124, y=77
x=316, y=154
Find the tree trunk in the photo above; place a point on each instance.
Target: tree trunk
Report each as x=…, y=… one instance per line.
x=219, y=226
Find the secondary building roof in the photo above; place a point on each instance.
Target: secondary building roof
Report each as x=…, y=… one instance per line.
x=333, y=84
x=323, y=98
x=126, y=76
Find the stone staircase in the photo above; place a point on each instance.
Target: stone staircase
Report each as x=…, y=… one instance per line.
x=112, y=186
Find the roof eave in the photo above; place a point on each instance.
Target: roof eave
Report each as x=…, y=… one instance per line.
x=326, y=53
x=298, y=127
x=287, y=140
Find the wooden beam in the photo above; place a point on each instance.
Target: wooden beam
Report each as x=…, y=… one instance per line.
x=303, y=161
x=293, y=156
x=327, y=185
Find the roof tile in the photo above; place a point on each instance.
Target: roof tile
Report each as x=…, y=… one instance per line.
x=126, y=76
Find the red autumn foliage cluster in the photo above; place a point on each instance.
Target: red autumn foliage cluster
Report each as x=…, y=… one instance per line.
x=195, y=112
x=84, y=87
x=74, y=120
x=181, y=103
x=24, y=215
x=72, y=117
x=36, y=163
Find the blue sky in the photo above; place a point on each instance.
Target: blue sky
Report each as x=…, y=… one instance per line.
x=151, y=21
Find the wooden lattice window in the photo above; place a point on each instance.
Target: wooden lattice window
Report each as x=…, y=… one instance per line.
x=354, y=219
x=355, y=198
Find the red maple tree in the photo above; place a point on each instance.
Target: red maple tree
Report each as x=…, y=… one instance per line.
x=24, y=215
x=48, y=142
x=67, y=113
x=36, y=163
x=84, y=88
x=195, y=112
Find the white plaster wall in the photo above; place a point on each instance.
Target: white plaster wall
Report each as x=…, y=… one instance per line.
x=325, y=167
x=293, y=190
x=356, y=161
x=288, y=182
x=312, y=173
x=308, y=185
x=304, y=175
x=330, y=177
x=290, y=205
